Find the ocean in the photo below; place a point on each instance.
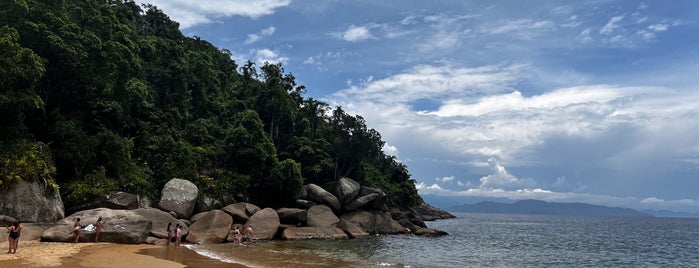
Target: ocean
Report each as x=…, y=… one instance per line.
x=488, y=240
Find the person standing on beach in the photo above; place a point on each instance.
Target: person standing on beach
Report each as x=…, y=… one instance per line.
x=14, y=230
x=98, y=228
x=169, y=234
x=249, y=234
x=178, y=235
x=237, y=236
x=76, y=229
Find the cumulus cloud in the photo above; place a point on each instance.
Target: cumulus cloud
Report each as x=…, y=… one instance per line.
x=190, y=13
x=355, y=34
x=252, y=38
x=268, y=55
x=501, y=179
x=447, y=179
x=390, y=150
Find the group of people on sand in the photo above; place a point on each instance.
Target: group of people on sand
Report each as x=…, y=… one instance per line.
x=247, y=235
x=15, y=229
x=174, y=235
x=77, y=226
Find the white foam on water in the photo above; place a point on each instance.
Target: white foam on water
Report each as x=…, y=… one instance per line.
x=217, y=256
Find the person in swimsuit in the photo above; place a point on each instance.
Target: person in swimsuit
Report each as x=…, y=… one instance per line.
x=98, y=228
x=178, y=235
x=13, y=240
x=237, y=236
x=76, y=229
x=249, y=234
x=169, y=233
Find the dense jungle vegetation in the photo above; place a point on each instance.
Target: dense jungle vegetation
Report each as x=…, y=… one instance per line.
x=105, y=95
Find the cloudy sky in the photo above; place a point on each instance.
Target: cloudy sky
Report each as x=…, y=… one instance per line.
x=590, y=101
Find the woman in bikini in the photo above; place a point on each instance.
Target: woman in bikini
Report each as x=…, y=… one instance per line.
x=98, y=229
x=76, y=229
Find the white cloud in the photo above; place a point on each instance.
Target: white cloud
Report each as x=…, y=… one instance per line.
x=355, y=34
x=652, y=200
x=611, y=25
x=447, y=179
x=390, y=150
x=267, y=55
x=252, y=38
x=190, y=12
x=523, y=27
x=660, y=27
x=501, y=179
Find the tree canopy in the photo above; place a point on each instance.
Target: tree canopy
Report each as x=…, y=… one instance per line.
x=105, y=95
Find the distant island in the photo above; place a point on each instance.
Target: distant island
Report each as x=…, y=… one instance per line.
x=547, y=208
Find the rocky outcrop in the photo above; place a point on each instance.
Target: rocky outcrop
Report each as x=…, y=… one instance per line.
x=213, y=227
x=241, y=211
x=374, y=222
x=129, y=232
x=430, y=213
x=347, y=190
x=6, y=220
x=29, y=201
x=320, y=216
x=293, y=216
x=430, y=232
x=206, y=203
x=179, y=196
x=361, y=202
x=120, y=200
x=320, y=195
x=378, y=203
x=351, y=229
x=327, y=232
x=264, y=223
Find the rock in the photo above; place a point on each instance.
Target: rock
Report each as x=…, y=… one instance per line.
x=374, y=222
x=364, y=219
x=152, y=240
x=430, y=213
x=347, y=190
x=197, y=216
x=361, y=201
x=320, y=216
x=241, y=211
x=206, y=203
x=320, y=195
x=327, y=232
x=305, y=204
x=430, y=232
x=408, y=225
x=28, y=201
x=351, y=229
x=303, y=194
x=30, y=231
x=210, y=228
x=231, y=232
x=264, y=223
x=120, y=200
x=377, y=204
x=111, y=217
x=291, y=215
x=6, y=220
x=127, y=232
x=418, y=222
x=179, y=196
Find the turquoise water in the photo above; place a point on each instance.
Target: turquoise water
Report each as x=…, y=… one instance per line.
x=492, y=240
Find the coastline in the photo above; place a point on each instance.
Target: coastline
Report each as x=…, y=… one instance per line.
x=106, y=255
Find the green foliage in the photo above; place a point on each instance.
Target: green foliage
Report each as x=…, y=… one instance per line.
x=27, y=161
x=128, y=102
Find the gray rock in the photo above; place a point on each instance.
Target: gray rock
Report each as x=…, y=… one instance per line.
x=430, y=213
x=241, y=211
x=265, y=224
x=6, y=220
x=292, y=216
x=374, y=222
x=320, y=195
x=197, y=216
x=361, y=202
x=377, y=204
x=351, y=229
x=120, y=200
x=179, y=196
x=327, y=232
x=211, y=228
x=127, y=232
x=206, y=203
x=305, y=204
x=430, y=232
x=364, y=219
x=31, y=231
x=320, y=216
x=111, y=217
x=29, y=201
x=347, y=190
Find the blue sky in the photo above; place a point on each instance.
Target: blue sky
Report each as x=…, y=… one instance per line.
x=570, y=101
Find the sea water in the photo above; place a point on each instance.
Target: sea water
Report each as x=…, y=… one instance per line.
x=491, y=240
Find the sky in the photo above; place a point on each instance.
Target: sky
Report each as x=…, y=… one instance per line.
x=591, y=101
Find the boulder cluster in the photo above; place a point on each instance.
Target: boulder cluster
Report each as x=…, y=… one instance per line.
x=352, y=211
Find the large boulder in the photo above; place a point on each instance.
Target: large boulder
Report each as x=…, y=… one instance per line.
x=327, y=232
x=320, y=216
x=206, y=203
x=241, y=211
x=31, y=231
x=29, y=201
x=378, y=203
x=374, y=222
x=128, y=232
x=111, y=217
x=351, y=229
x=320, y=195
x=305, y=204
x=430, y=232
x=179, y=196
x=120, y=200
x=292, y=216
x=430, y=213
x=6, y=220
x=265, y=224
x=361, y=202
x=364, y=219
x=213, y=227
x=347, y=190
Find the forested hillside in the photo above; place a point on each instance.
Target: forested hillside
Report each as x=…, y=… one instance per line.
x=105, y=95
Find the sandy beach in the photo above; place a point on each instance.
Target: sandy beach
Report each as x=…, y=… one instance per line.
x=51, y=254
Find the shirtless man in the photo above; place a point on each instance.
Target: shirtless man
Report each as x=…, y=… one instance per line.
x=249, y=234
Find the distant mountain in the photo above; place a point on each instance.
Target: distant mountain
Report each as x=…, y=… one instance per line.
x=547, y=208
x=670, y=214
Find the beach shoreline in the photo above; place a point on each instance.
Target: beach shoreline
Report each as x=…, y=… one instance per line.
x=106, y=255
